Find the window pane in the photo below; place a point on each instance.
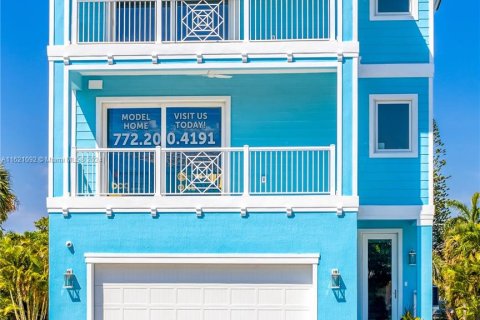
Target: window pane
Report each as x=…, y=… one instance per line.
x=397, y=6
x=379, y=279
x=393, y=126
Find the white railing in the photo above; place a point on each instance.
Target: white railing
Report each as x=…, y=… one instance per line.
x=150, y=21
x=213, y=171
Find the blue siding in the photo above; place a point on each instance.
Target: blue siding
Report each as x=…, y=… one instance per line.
x=259, y=101
x=58, y=132
x=393, y=181
x=394, y=41
x=214, y=233
x=59, y=22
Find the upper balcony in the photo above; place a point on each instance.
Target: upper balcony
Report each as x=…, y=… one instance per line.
x=167, y=21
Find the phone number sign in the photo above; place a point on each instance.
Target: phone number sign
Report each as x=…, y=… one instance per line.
x=194, y=127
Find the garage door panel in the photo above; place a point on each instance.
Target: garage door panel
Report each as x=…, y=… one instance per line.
x=244, y=300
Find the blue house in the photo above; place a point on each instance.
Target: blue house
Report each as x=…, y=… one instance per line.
x=240, y=159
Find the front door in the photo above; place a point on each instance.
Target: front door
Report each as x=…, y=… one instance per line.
x=379, y=276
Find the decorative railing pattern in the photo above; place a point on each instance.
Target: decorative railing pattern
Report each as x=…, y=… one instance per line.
x=149, y=21
x=212, y=171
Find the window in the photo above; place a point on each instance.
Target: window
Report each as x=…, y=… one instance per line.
x=393, y=126
x=393, y=9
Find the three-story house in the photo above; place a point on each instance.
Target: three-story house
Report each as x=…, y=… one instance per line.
x=240, y=159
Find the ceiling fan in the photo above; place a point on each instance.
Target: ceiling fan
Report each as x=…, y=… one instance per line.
x=214, y=75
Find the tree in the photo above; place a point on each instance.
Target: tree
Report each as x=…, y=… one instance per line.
x=457, y=265
x=440, y=189
x=24, y=274
x=8, y=201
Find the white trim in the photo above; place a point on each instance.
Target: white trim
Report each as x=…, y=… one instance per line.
x=431, y=147
x=410, y=70
x=191, y=49
x=51, y=22
x=189, y=204
x=66, y=131
x=90, y=277
x=385, y=99
x=51, y=73
x=355, y=127
x=393, y=16
x=355, y=20
x=194, y=258
x=423, y=214
x=339, y=176
x=66, y=22
x=431, y=28
x=339, y=18
x=363, y=264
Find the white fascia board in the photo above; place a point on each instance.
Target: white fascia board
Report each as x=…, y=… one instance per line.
x=189, y=204
x=194, y=258
x=422, y=214
x=139, y=51
x=406, y=70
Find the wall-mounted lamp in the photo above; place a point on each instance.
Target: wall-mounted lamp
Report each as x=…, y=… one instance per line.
x=335, y=279
x=412, y=258
x=68, y=279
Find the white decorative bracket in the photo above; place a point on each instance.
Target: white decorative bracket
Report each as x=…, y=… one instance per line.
x=289, y=212
x=66, y=60
x=339, y=211
x=243, y=212
x=65, y=212
x=340, y=57
x=244, y=58
x=110, y=60
x=109, y=212
x=154, y=212
x=199, y=212
x=154, y=58
x=290, y=57
x=199, y=58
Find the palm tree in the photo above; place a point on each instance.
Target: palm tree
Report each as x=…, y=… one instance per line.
x=471, y=215
x=8, y=201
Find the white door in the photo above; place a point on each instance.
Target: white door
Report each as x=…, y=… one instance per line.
x=379, y=276
x=204, y=292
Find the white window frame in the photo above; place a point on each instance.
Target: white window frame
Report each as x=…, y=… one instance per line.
x=412, y=101
x=383, y=16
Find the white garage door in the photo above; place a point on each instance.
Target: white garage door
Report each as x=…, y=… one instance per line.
x=204, y=292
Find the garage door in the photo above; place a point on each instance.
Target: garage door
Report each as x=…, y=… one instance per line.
x=204, y=292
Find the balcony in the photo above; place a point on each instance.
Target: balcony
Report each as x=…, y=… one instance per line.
x=181, y=21
x=232, y=172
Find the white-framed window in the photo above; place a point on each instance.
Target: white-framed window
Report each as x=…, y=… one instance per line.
x=394, y=126
x=393, y=10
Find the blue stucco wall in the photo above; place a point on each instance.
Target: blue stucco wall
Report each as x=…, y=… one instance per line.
x=403, y=41
x=333, y=237
x=290, y=110
x=393, y=181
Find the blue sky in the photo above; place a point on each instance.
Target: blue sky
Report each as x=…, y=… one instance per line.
x=24, y=98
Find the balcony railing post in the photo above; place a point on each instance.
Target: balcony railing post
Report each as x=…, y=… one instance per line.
x=158, y=171
x=332, y=20
x=158, y=21
x=74, y=22
x=246, y=170
x=332, y=172
x=73, y=172
x=246, y=20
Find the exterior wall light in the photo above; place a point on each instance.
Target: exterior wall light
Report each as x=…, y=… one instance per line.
x=335, y=279
x=412, y=258
x=68, y=279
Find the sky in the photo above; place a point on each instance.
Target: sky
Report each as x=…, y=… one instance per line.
x=24, y=99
